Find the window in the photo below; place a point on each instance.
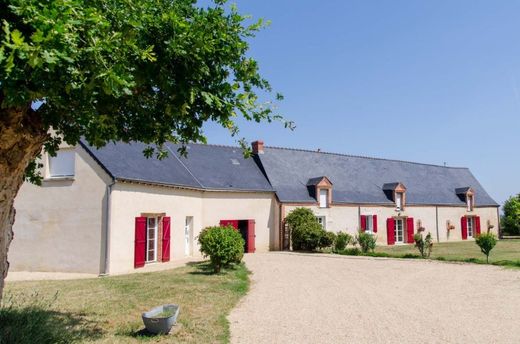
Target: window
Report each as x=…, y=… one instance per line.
x=370, y=224
x=324, y=195
x=322, y=221
x=151, y=239
x=470, y=226
x=399, y=231
x=62, y=165
x=399, y=200
x=469, y=202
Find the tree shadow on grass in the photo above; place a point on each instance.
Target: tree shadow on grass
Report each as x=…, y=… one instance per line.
x=202, y=268
x=34, y=324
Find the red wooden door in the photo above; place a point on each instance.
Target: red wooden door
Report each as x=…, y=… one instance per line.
x=232, y=223
x=140, y=242
x=251, y=236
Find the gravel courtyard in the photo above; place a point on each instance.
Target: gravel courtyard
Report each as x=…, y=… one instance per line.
x=299, y=298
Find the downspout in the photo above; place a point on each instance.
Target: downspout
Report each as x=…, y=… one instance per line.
x=437, y=221
x=359, y=217
x=108, y=209
x=499, y=232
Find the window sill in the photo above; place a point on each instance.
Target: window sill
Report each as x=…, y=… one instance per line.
x=53, y=179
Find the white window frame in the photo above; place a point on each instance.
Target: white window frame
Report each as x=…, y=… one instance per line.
x=399, y=200
x=322, y=220
x=469, y=202
x=470, y=226
x=68, y=156
x=369, y=224
x=155, y=229
x=188, y=233
x=323, y=198
x=396, y=230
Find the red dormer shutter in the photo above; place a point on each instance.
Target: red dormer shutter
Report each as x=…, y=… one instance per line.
x=374, y=223
x=363, y=223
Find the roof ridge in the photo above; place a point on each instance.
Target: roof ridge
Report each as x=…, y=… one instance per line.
x=365, y=157
x=210, y=144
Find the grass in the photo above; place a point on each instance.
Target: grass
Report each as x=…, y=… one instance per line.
x=505, y=250
x=108, y=309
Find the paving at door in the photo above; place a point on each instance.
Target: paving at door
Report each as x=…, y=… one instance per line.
x=299, y=298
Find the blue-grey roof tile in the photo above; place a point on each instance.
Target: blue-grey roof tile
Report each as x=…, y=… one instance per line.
x=361, y=180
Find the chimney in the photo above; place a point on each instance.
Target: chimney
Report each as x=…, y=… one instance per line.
x=258, y=147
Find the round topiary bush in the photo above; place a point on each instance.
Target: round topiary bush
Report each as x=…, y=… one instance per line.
x=223, y=246
x=306, y=232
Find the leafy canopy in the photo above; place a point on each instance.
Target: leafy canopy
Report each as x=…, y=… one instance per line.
x=511, y=218
x=148, y=70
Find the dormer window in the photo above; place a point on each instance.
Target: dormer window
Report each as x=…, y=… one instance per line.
x=320, y=188
x=399, y=200
x=466, y=195
x=397, y=193
x=324, y=195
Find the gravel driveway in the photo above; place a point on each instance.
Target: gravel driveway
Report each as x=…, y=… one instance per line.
x=299, y=298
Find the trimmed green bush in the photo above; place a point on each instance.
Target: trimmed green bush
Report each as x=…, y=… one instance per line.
x=223, y=246
x=424, y=245
x=327, y=239
x=342, y=240
x=306, y=232
x=366, y=241
x=486, y=242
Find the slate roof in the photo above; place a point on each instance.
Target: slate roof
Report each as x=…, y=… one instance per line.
x=207, y=167
x=315, y=181
x=361, y=179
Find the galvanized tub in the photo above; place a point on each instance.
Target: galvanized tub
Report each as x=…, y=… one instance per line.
x=157, y=324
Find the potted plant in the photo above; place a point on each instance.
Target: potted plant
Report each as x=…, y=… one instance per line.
x=160, y=320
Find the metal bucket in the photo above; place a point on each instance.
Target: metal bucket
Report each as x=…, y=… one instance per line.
x=160, y=325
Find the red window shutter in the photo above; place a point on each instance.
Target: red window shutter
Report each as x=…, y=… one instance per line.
x=410, y=229
x=166, y=221
x=390, y=231
x=140, y=242
x=363, y=223
x=374, y=223
x=464, y=227
x=477, y=225
x=251, y=236
x=232, y=223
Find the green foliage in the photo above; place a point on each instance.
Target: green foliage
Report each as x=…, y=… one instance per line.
x=306, y=232
x=327, y=239
x=342, y=240
x=510, y=221
x=423, y=244
x=366, y=241
x=223, y=245
x=33, y=319
x=149, y=71
x=351, y=251
x=486, y=242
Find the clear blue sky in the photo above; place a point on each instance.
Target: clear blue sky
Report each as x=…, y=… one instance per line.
x=429, y=81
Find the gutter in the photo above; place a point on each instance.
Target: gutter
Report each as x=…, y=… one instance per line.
x=106, y=248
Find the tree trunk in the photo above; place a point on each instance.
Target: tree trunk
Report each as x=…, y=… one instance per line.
x=22, y=135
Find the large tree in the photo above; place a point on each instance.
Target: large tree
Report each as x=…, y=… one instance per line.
x=510, y=222
x=106, y=70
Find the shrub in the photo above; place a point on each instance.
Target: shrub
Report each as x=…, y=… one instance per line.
x=327, y=239
x=306, y=232
x=342, y=240
x=366, y=241
x=223, y=245
x=424, y=245
x=486, y=242
x=352, y=251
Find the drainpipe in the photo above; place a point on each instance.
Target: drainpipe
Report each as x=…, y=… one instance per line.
x=108, y=209
x=437, y=221
x=499, y=232
x=359, y=217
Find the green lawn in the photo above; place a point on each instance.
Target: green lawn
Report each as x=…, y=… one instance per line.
x=108, y=309
x=462, y=250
